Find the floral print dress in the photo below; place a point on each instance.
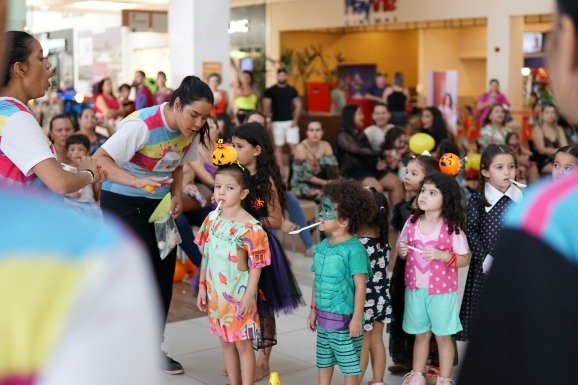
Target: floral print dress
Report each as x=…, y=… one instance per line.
x=226, y=283
x=325, y=167
x=377, y=301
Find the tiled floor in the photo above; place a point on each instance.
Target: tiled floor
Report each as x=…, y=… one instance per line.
x=190, y=343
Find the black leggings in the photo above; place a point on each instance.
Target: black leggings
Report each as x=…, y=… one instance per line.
x=135, y=213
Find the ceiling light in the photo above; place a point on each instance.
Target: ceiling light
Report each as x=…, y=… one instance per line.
x=111, y=6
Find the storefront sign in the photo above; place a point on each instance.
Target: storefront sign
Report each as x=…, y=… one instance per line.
x=239, y=26
x=359, y=12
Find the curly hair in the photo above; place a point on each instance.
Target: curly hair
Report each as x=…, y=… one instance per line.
x=452, y=210
x=267, y=168
x=353, y=202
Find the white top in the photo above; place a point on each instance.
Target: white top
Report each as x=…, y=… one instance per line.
x=376, y=135
x=493, y=195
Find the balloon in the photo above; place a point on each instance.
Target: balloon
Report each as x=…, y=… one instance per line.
x=179, y=272
x=473, y=162
x=421, y=142
x=151, y=84
x=450, y=164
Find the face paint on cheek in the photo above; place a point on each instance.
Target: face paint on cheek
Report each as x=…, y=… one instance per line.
x=327, y=209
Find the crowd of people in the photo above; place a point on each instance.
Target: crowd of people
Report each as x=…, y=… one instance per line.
x=167, y=142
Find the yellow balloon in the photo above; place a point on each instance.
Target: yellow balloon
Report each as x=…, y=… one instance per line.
x=473, y=162
x=421, y=142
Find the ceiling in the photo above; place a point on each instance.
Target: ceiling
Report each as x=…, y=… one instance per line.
x=79, y=6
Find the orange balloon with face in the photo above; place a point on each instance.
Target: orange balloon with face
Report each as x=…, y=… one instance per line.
x=450, y=164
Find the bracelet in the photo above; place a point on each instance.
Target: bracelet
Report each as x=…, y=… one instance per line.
x=204, y=283
x=313, y=307
x=453, y=261
x=92, y=176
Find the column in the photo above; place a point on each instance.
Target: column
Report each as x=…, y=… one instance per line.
x=505, y=54
x=198, y=33
x=16, y=15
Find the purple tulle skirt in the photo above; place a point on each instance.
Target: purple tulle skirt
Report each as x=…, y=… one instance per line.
x=278, y=294
x=278, y=290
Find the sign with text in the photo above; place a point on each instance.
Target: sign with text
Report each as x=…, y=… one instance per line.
x=364, y=12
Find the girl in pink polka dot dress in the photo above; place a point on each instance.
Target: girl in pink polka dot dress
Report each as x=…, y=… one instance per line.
x=434, y=245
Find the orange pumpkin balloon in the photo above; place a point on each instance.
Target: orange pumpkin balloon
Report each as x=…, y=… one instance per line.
x=179, y=272
x=450, y=164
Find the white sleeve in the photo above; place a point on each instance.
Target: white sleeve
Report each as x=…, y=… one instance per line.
x=24, y=143
x=193, y=152
x=112, y=336
x=131, y=136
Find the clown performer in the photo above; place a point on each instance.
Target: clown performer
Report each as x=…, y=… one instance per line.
x=341, y=267
x=144, y=160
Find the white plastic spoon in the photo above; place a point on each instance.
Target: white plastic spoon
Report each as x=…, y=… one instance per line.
x=215, y=213
x=520, y=185
x=304, y=228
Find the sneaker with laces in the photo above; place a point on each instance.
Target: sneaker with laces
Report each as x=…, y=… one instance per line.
x=170, y=366
x=413, y=378
x=445, y=381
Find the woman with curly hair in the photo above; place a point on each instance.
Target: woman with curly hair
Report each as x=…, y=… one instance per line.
x=266, y=201
x=341, y=267
x=435, y=246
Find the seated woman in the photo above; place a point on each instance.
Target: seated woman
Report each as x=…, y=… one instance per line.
x=313, y=164
x=357, y=160
x=494, y=130
x=396, y=151
x=547, y=138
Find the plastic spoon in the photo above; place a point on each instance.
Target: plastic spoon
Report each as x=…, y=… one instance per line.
x=215, y=213
x=520, y=185
x=304, y=228
x=415, y=249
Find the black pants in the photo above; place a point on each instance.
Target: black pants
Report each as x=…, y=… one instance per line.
x=135, y=213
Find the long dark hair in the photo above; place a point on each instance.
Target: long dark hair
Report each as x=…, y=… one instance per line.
x=438, y=128
x=380, y=219
x=18, y=48
x=347, y=118
x=488, y=155
x=267, y=168
x=193, y=89
x=452, y=211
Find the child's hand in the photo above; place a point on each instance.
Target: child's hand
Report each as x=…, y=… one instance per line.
x=402, y=249
x=355, y=328
x=432, y=253
x=247, y=304
x=202, y=298
x=312, y=320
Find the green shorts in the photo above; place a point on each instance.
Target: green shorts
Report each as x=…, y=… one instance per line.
x=437, y=313
x=338, y=348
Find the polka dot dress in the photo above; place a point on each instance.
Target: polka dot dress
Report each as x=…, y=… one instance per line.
x=483, y=231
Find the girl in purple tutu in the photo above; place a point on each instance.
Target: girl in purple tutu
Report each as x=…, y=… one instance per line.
x=278, y=290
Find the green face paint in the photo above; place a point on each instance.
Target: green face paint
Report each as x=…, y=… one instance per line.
x=328, y=212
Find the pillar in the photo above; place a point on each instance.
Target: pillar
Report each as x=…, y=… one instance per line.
x=505, y=55
x=198, y=35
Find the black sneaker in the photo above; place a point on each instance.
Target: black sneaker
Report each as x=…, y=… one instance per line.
x=171, y=366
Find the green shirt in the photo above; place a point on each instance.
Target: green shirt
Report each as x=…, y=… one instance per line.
x=334, y=267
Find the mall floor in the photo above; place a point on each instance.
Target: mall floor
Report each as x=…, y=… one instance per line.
x=190, y=343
